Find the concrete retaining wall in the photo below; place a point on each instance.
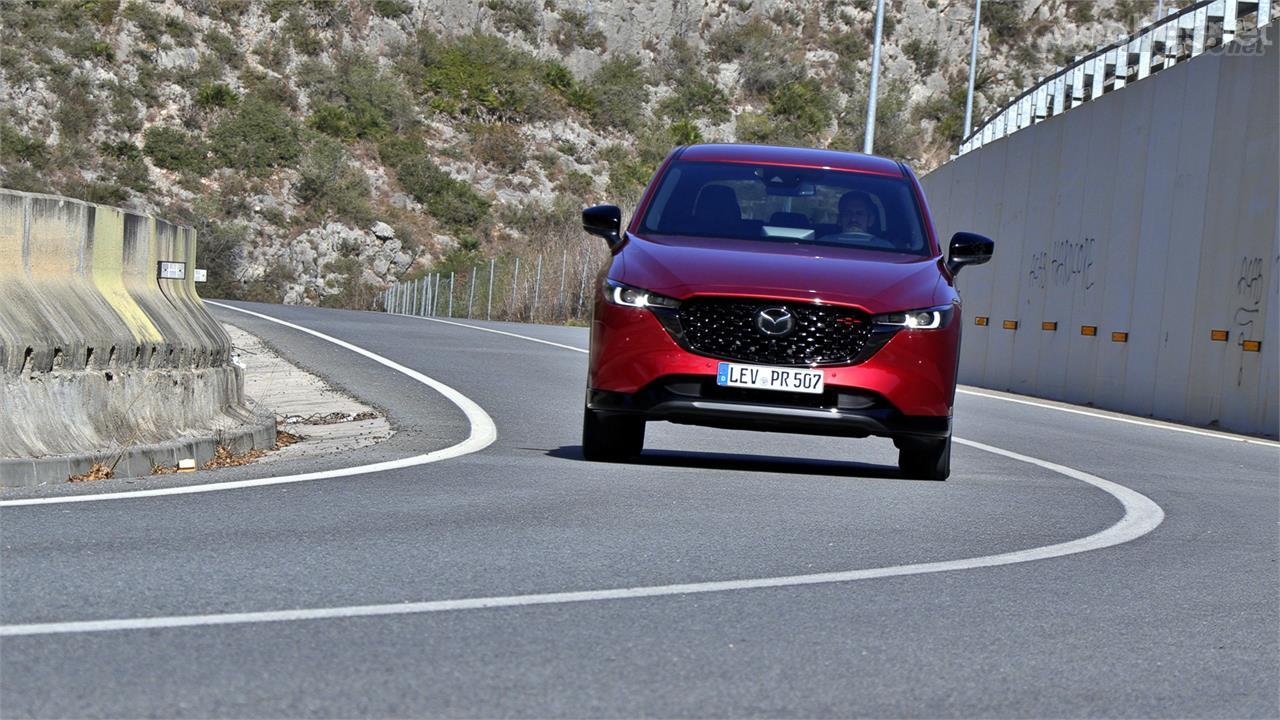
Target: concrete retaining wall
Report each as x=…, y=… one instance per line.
x=97, y=354
x=1150, y=211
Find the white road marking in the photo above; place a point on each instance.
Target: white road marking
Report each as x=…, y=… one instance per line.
x=964, y=390
x=495, y=332
x=1141, y=516
x=1131, y=421
x=483, y=433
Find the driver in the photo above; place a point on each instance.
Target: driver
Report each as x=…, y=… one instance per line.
x=857, y=213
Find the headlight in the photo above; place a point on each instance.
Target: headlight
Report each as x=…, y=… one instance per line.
x=930, y=319
x=627, y=296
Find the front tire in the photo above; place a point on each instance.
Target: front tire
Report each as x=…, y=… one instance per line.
x=925, y=459
x=611, y=438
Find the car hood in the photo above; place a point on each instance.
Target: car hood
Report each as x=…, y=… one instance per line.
x=682, y=267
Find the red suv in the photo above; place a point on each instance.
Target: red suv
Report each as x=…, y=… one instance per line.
x=780, y=289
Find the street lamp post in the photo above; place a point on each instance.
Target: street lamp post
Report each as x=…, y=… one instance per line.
x=868, y=137
x=973, y=69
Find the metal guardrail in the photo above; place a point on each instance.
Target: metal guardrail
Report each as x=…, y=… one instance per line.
x=1176, y=38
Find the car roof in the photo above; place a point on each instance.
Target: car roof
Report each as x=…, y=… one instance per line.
x=792, y=157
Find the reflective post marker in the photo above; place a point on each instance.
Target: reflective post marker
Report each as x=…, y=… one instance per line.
x=451, y=279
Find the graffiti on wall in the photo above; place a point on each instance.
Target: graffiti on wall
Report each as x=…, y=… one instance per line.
x=1066, y=263
x=1250, y=285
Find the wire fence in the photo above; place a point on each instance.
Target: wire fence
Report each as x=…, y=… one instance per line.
x=554, y=286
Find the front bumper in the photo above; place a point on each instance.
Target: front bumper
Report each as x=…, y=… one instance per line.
x=913, y=375
x=697, y=400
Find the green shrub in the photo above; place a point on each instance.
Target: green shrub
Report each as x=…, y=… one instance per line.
x=481, y=77
x=392, y=8
x=696, y=97
x=85, y=45
x=149, y=22
x=575, y=184
x=331, y=186
x=259, y=137
x=684, y=132
x=356, y=99
x=353, y=292
x=94, y=191
x=1131, y=12
x=181, y=32
x=130, y=172
x=947, y=112
x=516, y=16
x=766, y=58
x=500, y=146
x=174, y=149
x=16, y=146
x=754, y=127
x=123, y=150
x=272, y=89
x=212, y=95
x=575, y=31
x=619, y=90
x=896, y=135
x=77, y=111
x=924, y=55
x=299, y=33
x=334, y=121
x=1081, y=11
x=224, y=47
x=452, y=202
x=1003, y=22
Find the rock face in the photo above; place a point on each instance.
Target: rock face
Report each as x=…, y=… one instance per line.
x=316, y=258
x=80, y=104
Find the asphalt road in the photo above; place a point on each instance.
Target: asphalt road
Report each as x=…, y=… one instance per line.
x=1179, y=622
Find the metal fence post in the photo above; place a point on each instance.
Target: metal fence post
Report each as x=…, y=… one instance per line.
x=515, y=285
x=488, y=310
x=451, y=278
x=582, y=284
x=471, y=292
x=564, y=266
x=537, y=291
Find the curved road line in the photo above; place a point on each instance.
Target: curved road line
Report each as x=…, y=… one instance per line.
x=1141, y=516
x=483, y=433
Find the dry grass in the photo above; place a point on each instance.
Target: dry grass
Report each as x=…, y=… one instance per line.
x=285, y=439
x=223, y=458
x=97, y=472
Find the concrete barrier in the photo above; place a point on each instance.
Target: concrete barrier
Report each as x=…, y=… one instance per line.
x=101, y=361
x=1151, y=213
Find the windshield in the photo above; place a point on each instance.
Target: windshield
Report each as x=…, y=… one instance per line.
x=783, y=204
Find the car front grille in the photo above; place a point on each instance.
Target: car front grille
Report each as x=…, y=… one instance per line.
x=727, y=328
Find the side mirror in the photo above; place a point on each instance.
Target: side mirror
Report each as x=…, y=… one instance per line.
x=605, y=221
x=969, y=249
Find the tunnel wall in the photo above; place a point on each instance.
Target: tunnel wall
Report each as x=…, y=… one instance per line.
x=98, y=357
x=1150, y=211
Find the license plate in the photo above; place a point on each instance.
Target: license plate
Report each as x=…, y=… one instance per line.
x=763, y=377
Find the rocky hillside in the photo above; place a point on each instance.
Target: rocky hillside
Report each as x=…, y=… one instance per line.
x=325, y=148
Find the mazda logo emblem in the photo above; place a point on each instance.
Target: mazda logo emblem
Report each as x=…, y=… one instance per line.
x=775, y=321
